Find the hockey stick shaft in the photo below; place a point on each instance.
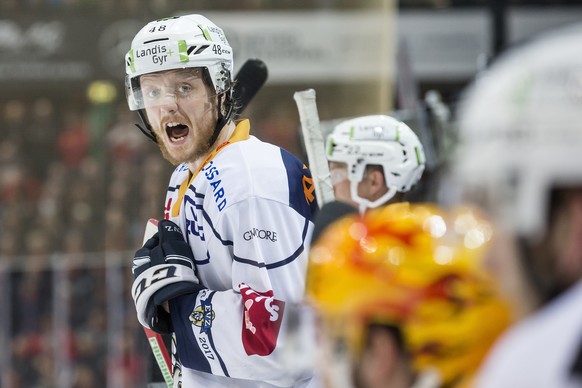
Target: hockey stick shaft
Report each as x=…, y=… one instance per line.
x=249, y=79
x=314, y=145
x=161, y=355
x=155, y=340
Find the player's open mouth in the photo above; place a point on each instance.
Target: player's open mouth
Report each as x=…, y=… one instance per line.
x=176, y=131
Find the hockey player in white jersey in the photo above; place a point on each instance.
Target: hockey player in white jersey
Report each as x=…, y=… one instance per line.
x=231, y=253
x=520, y=156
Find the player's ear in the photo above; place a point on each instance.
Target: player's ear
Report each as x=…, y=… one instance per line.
x=377, y=180
x=573, y=262
x=562, y=241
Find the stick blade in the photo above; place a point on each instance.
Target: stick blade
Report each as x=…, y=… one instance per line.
x=150, y=229
x=314, y=145
x=155, y=340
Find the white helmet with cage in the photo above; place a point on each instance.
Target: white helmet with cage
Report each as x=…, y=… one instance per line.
x=190, y=41
x=377, y=140
x=520, y=128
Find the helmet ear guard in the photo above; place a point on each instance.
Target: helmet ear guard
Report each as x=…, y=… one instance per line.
x=133, y=93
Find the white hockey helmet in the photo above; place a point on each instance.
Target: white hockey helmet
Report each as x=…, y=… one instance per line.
x=520, y=128
x=190, y=41
x=377, y=140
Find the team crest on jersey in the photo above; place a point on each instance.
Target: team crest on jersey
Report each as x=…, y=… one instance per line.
x=202, y=316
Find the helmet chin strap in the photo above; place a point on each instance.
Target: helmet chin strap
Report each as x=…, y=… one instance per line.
x=146, y=129
x=384, y=198
x=364, y=204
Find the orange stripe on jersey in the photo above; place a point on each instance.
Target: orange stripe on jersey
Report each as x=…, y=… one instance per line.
x=241, y=132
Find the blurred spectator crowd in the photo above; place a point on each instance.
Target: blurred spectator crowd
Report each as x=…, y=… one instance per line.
x=76, y=185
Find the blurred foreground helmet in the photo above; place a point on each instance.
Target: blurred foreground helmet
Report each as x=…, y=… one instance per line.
x=377, y=140
x=521, y=130
x=417, y=268
x=190, y=41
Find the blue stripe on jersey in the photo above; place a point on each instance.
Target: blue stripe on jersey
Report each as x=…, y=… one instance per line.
x=254, y=262
x=173, y=188
x=279, y=263
x=211, y=340
x=196, y=194
x=216, y=234
x=295, y=174
x=205, y=261
x=180, y=168
x=193, y=226
x=188, y=351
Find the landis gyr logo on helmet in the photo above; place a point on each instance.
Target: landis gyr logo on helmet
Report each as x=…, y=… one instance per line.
x=158, y=53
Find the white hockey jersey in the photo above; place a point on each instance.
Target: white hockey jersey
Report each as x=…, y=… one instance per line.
x=247, y=215
x=540, y=351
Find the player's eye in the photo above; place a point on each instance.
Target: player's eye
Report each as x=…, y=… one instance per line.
x=152, y=93
x=184, y=89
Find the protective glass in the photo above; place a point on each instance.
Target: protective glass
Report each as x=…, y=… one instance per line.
x=167, y=87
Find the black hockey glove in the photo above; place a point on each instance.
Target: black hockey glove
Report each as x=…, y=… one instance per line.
x=162, y=269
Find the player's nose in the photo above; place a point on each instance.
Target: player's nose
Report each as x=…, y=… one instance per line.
x=169, y=102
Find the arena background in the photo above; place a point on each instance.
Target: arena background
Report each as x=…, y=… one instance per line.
x=78, y=180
